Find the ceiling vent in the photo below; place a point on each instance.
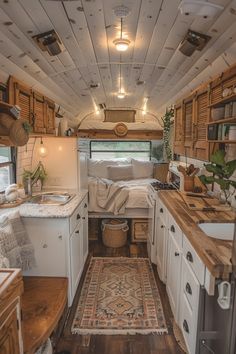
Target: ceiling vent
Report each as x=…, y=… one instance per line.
x=193, y=41
x=50, y=42
x=102, y=105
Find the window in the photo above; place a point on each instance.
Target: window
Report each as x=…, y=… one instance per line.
x=101, y=149
x=7, y=167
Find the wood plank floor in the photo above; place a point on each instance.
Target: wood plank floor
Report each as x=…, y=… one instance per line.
x=120, y=344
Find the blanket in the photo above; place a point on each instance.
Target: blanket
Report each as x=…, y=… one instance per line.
x=115, y=197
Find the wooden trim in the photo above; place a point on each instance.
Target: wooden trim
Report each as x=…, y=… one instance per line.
x=108, y=134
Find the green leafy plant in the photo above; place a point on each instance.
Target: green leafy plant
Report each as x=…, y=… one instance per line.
x=38, y=174
x=27, y=127
x=167, y=120
x=222, y=171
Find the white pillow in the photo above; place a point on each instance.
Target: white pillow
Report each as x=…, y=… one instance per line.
x=98, y=168
x=142, y=169
x=120, y=173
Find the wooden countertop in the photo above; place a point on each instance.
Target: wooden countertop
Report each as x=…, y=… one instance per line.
x=43, y=303
x=215, y=254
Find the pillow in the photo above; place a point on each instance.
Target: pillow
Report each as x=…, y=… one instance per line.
x=142, y=169
x=120, y=173
x=98, y=168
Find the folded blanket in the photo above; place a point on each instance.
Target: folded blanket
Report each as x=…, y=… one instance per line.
x=15, y=244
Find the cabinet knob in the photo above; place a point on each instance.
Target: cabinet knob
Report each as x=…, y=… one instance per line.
x=162, y=226
x=161, y=210
x=176, y=254
x=60, y=237
x=45, y=245
x=78, y=217
x=85, y=205
x=77, y=231
x=172, y=228
x=189, y=257
x=188, y=289
x=185, y=326
x=83, y=217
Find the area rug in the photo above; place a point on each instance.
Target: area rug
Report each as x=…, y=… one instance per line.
x=119, y=296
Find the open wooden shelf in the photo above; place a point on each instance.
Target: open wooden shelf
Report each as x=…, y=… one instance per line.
x=223, y=101
x=224, y=120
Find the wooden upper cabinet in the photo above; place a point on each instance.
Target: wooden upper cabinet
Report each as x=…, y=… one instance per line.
x=21, y=96
x=50, y=116
x=188, y=112
x=37, y=109
x=200, y=119
x=178, y=130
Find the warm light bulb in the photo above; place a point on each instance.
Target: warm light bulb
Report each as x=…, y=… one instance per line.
x=121, y=44
x=144, y=112
x=121, y=95
x=43, y=151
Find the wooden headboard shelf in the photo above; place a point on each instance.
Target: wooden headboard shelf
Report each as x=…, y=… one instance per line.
x=110, y=134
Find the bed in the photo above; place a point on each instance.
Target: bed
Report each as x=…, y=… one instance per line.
x=120, y=187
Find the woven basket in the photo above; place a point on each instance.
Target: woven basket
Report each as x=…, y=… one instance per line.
x=14, y=129
x=114, y=232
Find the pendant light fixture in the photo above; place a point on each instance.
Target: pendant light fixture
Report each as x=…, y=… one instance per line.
x=121, y=43
x=121, y=93
x=42, y=150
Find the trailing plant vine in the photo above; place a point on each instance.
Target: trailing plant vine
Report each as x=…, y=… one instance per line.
x=167, y=120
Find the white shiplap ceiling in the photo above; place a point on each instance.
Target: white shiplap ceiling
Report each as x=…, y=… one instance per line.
x=87, y=29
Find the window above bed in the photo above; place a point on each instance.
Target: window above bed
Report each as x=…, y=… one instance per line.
x=109, y=149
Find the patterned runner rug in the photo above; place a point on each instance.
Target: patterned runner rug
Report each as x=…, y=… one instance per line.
x=119, y=296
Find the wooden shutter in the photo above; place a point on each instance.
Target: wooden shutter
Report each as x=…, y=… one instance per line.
x=188, y=126
x=178, y=128
x=50, y=116
x=39, y=113
x=201, y=117
x=24, y=99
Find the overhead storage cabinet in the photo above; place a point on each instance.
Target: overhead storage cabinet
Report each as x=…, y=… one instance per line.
x=201, y=117
x=37, y=109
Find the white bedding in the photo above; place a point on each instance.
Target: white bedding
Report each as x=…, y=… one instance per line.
x=136, y=194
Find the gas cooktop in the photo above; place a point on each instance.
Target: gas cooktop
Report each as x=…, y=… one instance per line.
x=162, y=186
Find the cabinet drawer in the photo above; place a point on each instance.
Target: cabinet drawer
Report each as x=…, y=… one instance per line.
x=188, y=325
x=175, y=230
x=76, y=217
x=190, y=287
x=193, y=260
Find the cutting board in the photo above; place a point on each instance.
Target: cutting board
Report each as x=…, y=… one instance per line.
x=204, y=204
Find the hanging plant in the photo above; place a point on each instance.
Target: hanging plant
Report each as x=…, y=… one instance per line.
x=27, y=127
x=167, y=120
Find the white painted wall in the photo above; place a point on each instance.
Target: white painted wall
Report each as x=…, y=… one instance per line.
x=60, y=162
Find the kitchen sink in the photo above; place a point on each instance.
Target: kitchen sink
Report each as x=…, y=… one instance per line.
x=220, y=230
x=52, y=198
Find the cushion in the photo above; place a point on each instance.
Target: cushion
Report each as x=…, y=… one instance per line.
x=98, y=168
x=120, y=173
x=142, y=169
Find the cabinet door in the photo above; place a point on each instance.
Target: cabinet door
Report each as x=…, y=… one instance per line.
x=188, y=126
x=76, y=257
x=201, y=117
x=39, y=114
x=173, y=275
x=162, y=248
x=50, y=117
x=22, y=96
x=178, y=128
x=9, y=334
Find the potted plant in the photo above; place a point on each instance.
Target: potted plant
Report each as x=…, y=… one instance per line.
x=167, y=121
x=32, y=177
x=222, y=171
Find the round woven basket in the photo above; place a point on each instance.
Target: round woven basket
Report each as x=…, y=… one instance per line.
x=17, y=133
x=114, y=232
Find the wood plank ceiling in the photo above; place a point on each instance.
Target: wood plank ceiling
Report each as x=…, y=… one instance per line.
x=152, y=67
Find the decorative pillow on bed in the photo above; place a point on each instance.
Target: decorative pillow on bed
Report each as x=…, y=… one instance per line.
x=142, y=169
x=120, y=173
x=98, y=168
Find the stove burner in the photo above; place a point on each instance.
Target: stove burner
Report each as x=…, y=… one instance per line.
x=162, y=186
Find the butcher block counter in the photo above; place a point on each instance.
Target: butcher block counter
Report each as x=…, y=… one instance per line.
x=215, y=254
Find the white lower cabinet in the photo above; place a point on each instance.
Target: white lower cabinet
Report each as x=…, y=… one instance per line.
x=174, y=275
x=61, y=246
x=161, y=241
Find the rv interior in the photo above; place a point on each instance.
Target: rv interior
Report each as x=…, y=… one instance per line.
x=117, y=176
